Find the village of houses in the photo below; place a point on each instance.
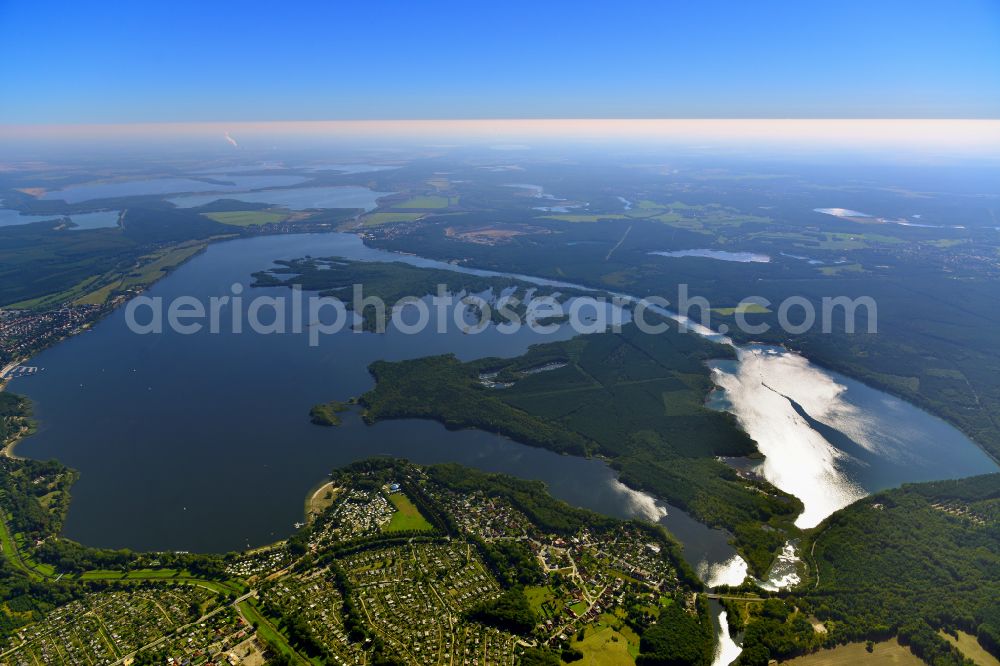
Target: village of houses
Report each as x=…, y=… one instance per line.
x=411, y=588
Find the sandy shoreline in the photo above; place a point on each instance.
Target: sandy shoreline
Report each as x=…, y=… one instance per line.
x=3, y=373
x=313, y=506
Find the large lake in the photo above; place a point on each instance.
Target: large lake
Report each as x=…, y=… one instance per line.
x=202, y=442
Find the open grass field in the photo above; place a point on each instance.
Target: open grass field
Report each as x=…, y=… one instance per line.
x=603, y=645
x=427, y=202
x=376, y=219
x=745, y=308
x=538, y=597
x=971, y=649
x=247, y=218
x=138, y=574
x=854, y=654
x=407, y=516
x=42, y=568
x=99, y=295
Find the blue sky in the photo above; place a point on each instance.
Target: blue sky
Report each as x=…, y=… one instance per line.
x=114, y=62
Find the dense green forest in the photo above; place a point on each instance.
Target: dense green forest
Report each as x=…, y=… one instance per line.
x=908, y=562
x=936, y=344
x=677, y=639
x=923, y=554
x=635, y=399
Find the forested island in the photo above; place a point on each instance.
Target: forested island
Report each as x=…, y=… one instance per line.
x=327, y=413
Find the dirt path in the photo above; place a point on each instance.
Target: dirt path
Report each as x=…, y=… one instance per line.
x=624, y=236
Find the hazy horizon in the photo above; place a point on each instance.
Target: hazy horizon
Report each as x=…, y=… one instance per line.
x=921, y=139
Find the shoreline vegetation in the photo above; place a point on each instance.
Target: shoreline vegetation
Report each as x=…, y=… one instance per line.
x=634, y=400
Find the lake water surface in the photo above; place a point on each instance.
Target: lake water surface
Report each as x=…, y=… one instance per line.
x=202, y=442
x=829, y=439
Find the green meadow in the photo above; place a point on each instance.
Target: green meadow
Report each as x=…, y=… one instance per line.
x=407, y=517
